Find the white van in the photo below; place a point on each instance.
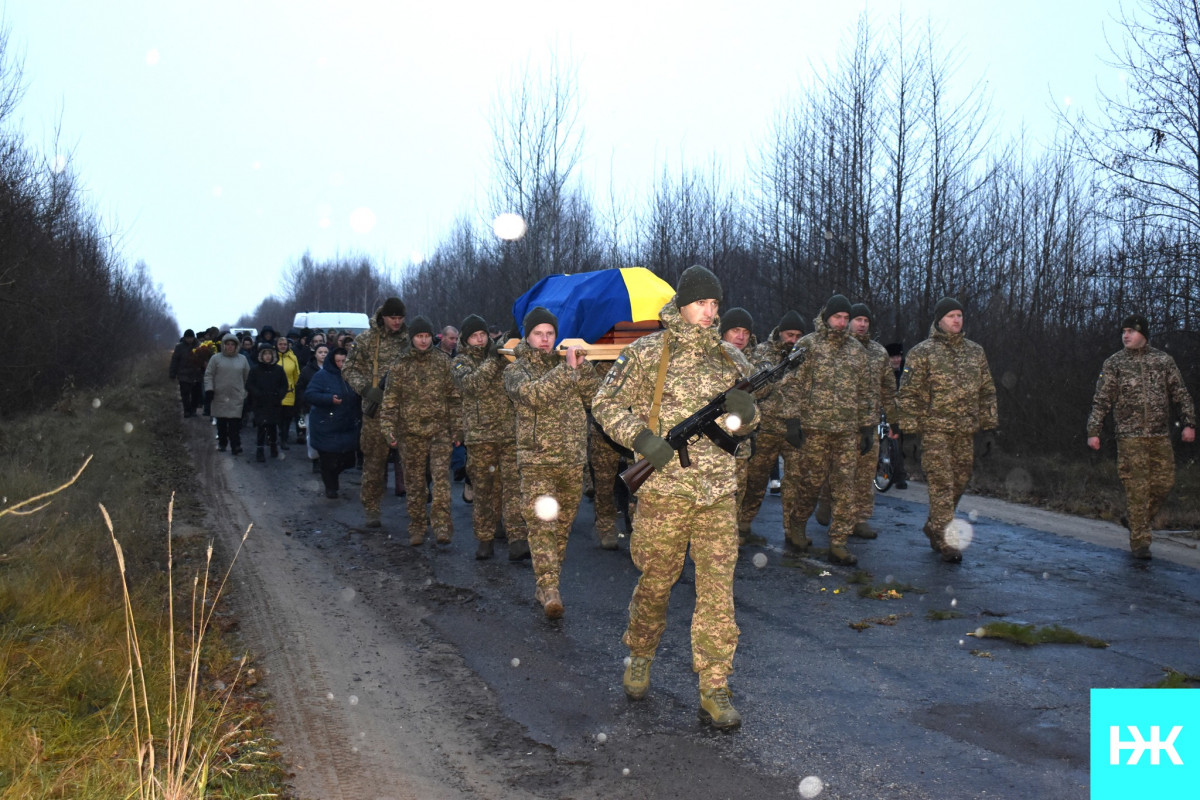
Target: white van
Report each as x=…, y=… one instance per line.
x=332, y=320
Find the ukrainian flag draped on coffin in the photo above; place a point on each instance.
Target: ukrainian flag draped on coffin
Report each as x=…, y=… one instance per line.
x=588, y=304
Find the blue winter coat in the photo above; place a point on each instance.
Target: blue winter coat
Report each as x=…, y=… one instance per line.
x=332, y=428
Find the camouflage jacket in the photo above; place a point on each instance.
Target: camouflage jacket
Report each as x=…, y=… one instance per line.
x=360, y=361
x=946, y=387
x=700, y=366
x=771, y=404
x=421, y=398
x=1139, y=386
x=833, y=390
x=488, y=413
x=880, y=366
x=552, y=402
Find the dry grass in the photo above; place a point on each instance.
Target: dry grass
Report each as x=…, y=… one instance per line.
x=67, y=728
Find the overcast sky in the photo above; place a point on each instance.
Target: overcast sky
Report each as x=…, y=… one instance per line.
x=224, y=139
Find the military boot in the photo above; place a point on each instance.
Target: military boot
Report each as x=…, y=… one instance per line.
x=863, y=530
x=838, y=554
x=484, y=550
x=951, y=555
x=795, y=540
x=746, y=536
x=373, y=520
x=518, y=549
x=607, y=539
x=824, y=512
x=636, y=681
x=259, y=456
x=416, y=538
x=716, y=708
x=552, y=605
x=1142, y=553
x=935, y=540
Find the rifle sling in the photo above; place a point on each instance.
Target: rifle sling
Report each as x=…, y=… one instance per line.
x=659, y=383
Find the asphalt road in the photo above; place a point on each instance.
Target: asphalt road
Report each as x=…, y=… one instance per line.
x=872, y=696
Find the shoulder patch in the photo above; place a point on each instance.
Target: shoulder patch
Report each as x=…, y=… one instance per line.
x=616, y=369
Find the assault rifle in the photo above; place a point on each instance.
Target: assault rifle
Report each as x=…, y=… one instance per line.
x=704, y=422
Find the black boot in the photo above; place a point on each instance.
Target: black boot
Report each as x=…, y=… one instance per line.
x=274, y=450
x=258, y=455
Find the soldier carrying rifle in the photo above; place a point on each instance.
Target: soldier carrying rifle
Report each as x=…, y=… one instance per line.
x=658, y=381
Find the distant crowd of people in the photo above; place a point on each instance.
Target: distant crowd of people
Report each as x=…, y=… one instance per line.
x=541, y=419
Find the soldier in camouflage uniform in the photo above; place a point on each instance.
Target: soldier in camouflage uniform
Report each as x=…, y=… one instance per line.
x=737, y=329
x=1139, y=384
x=552, y=396
x=490, y=428
x=770, y=441
x=883, y=384
x=680, y=508
x=828, y=406
x=946, y=394
x=422, y=418
x=370, y=356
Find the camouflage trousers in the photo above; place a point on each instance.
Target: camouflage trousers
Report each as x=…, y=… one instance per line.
x=864, y=484
x=948, y=460
x=548, y=538
x=665, y=527
x=605, y=462
x=767, y=449
x=1146, y=465
x=375, y=448
x=742, y=468
x=824, y=456
x=433, y=452
x=492, y=467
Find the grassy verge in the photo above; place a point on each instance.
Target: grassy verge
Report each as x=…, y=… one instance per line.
x=66, y=720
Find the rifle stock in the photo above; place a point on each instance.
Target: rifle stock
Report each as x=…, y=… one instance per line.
x=703, y=422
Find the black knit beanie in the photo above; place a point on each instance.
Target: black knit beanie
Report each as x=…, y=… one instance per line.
x=472, y=324
x=697, y=283
x=944, y=307
x=791, y=321
x=536, y=316
x=736, y=318
x=894, y=349
x=836, y=305
x=1138, y=323
x=860, y=310
x=418, y=325
x=392, y=307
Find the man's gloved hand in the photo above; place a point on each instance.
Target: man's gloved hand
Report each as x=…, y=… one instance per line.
x=987, y=441
x=794, y=435
x=740, y=404
x=372, y=394
x=866, y=438
x=493, y=349
x=208, y=396
x=654, y=448
x=894, y=428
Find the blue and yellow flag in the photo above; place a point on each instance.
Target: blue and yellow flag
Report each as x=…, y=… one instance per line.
x=590, y=303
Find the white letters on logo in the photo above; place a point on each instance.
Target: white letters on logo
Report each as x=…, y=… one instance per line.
x=1140, y=745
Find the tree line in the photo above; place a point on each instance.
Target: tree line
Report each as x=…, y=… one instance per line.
x=885, y=180
x=71, y=309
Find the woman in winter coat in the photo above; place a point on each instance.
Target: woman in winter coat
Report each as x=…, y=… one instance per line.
x=225, y=391
x=267, y=385
x=334, y=420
